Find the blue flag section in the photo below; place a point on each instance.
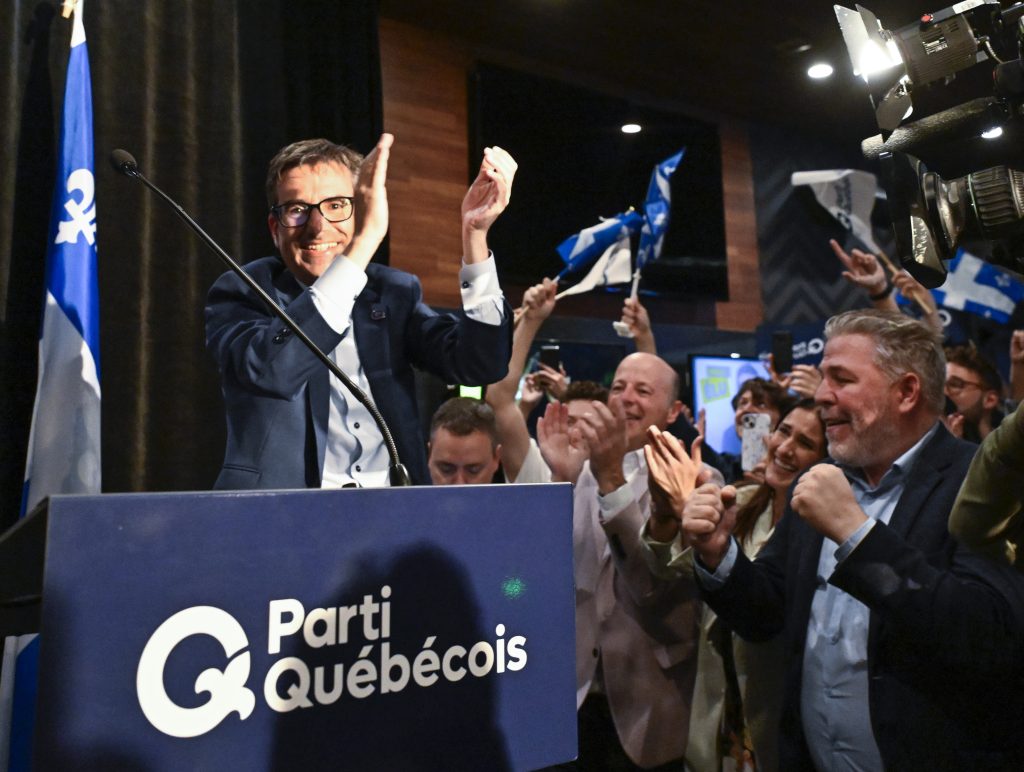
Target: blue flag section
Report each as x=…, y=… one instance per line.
x=979, y=288
x=656, y=210
x=64, y=444
x=590, y=243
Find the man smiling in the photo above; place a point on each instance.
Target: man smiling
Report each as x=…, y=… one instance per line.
x=636, y=633
x=904, y=643
x=291, y=424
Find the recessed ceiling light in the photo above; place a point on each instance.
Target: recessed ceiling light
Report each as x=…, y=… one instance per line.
x=819, y=71
x=631, y=128
x=734, y=355
x=995, y=131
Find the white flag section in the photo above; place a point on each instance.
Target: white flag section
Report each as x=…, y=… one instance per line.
x=612, y=267
x=64, y=443
x=848, y=195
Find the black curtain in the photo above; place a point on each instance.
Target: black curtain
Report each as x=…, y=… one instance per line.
x=202, y=93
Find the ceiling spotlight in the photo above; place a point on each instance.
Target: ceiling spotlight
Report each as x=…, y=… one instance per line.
x=993, y=133
x=734, y=355
x=819, y=71
x=631, y=128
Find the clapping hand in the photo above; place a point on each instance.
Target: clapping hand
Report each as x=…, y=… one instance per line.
x=672, y=476
x=564, y=459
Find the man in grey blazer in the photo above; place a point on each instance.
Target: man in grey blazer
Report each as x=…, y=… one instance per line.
x=290, y=424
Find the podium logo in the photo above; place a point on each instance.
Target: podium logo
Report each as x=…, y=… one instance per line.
x=227, y=690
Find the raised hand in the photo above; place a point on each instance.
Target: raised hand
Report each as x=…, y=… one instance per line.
x=862, y=269
x=532, y=392
x=564, y=459
x=539, y=300
x=490, y=192
x=1017, y=347
x=804, y=380
x=674, y=471
x=635, y=316
x=605, y=433
x=371, y=203
x=910, y=288
x=553, y=381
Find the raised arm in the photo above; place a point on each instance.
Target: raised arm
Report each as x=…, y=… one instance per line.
x=538, y=303
x=910, y=288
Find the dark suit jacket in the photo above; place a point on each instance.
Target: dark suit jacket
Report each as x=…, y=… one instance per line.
x=276, y=392
x=945, y=635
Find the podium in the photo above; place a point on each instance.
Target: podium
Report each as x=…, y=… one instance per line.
x=425, y=628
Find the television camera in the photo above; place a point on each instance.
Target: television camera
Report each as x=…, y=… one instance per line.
x=947, y=89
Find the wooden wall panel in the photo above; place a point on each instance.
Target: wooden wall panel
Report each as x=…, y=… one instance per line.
x=744, y=310
x=424, y=82
x=425, y=106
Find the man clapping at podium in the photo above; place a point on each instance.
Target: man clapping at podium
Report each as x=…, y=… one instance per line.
x=291, y=424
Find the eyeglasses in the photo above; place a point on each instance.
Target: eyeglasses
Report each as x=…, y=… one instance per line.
x=956, y=385
x=296, y=213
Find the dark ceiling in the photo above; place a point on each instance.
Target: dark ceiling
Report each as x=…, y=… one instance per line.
x=712, y=57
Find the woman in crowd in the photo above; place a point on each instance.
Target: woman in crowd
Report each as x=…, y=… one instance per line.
x=738, y=694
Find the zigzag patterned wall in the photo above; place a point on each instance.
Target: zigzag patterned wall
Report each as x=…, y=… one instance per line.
x=800, y=277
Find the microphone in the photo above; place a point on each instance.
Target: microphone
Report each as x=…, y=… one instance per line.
x=125, y=163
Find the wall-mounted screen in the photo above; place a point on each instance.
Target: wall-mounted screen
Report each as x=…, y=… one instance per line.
x=714, y=381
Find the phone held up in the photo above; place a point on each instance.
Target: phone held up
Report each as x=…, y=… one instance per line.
x=756, y=428
x=782, y=352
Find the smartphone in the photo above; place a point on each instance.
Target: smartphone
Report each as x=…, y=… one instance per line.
x=550, y=355
x=782, y=352
x=756, y=428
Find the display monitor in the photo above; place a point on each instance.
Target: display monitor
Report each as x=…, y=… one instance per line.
x=714, y=381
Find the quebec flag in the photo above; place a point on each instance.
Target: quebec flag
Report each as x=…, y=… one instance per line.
x=64, y=443
x=977, y=287
x=590, y=243
x=656, y=210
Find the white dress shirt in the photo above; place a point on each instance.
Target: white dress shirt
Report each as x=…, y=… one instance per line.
x=355, y=452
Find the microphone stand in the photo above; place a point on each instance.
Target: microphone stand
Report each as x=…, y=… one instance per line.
x=398, y=476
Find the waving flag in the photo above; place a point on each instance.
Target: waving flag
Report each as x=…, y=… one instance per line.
x=848, y=195
x=615, y=266
x=656, y=210
x=590, y=243
x=64, y=444
x=977, y=287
